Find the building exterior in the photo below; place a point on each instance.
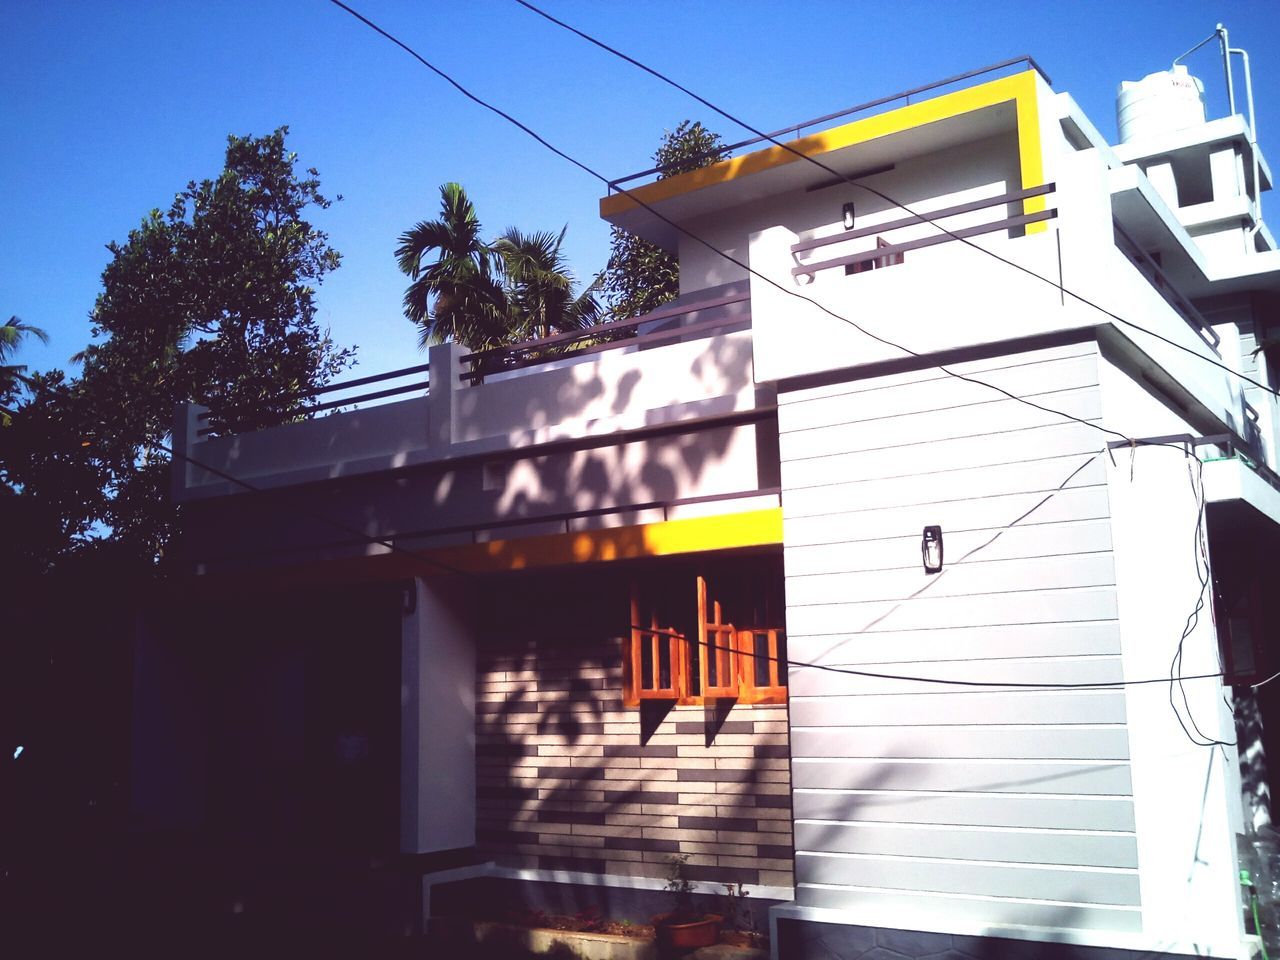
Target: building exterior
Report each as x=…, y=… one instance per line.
x=587, y=564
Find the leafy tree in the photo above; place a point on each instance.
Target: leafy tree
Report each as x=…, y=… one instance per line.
x=13, y=375
x=52, y=486
x=456, y=296
x=640, y=276
x=486, y=294
x=211, y=301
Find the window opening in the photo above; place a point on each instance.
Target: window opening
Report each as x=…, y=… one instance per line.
x=732, y=646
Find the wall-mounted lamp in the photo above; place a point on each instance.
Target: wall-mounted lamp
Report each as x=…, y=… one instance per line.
x=846, y=216
x=931, y=549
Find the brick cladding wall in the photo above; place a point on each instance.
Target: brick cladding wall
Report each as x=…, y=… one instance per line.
x=564, y=781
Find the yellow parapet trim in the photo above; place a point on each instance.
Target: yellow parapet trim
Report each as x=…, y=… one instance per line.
x=753, y=528
x=1019, y=88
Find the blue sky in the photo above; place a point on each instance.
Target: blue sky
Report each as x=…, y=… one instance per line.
x=110, y=108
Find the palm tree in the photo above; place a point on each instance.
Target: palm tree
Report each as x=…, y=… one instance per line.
x=12, y=334
x=539, y=286
x=484, y=295
x=456, y=296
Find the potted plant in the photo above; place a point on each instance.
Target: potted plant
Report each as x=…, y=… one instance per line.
x=684, y=927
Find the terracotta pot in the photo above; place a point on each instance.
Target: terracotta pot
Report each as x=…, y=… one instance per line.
x=688, y=935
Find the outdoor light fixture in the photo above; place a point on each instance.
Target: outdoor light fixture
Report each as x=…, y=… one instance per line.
x=931, y=549
x=846, y=214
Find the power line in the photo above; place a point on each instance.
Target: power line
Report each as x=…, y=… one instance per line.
x=1193, y=617
x=725, y=255
x=391, y=545
x=700, y=240
x=883, y=196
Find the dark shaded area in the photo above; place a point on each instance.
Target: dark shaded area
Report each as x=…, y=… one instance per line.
x=494, y=898
x=806, y=940
x=652, y=713
x=253, y=807
x=1247, y=607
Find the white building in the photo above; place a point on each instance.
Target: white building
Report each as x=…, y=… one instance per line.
x=876, y=372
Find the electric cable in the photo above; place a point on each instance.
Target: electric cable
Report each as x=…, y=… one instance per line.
x=941, y=681
x=391, y=545
x=878, y=193
x=724, y=254
x=700, y=240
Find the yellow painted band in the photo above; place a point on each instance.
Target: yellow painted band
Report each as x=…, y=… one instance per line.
x=752, y=528
x=1020, y=88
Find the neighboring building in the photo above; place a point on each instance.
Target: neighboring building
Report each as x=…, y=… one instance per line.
x=457, y=614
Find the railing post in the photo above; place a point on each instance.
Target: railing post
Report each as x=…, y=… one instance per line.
x=446, y=369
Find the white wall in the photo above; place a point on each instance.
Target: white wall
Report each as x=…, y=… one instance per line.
x=437, y=730
x=986, y=167
x=598, y=395
x=943, y=807
x=1187, y=799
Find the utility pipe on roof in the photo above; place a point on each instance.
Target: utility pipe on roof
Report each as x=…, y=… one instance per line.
x=1253, y=140
x=1224, y=42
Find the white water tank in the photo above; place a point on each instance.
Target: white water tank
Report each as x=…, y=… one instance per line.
x=1159, y=103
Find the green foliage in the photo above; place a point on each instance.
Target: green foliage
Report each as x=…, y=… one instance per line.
x=211, y=301
x=640, y=276
x=13, y=376
x=487, y=294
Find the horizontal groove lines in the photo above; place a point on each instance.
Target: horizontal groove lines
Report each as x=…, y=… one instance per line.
x=1058, y=847
x=1101, y=741
x=962, y=809
x=951, y=793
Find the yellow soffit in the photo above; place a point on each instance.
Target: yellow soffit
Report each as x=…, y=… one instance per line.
x=1019, y=88
x=752, y=528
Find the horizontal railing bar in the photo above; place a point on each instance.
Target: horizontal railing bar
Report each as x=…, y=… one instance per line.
x=331, y=404
x=348, y=384
x=662, y=313
x=376, y=395
x=372, y=378
x=880, y=252
x=657, y=336
x=880, y=101
x=970, y=207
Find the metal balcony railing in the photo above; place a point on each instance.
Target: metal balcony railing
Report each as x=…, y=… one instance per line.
x=887, y=252
x=226, y=423
x=602, y=336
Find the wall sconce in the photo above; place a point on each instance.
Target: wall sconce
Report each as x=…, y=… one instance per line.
x=846, y=216
x=931, y=549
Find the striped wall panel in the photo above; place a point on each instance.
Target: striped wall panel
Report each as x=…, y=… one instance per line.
x=565, y=781
x=991, y=803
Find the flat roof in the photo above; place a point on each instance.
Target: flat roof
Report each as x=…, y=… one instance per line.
x=972, y=113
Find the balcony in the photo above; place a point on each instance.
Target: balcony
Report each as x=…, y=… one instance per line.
x=687, y=363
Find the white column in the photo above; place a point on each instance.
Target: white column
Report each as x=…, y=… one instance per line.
x=1187, y=801
x=1161, y=177
x=437, y=718
x=1226, y=167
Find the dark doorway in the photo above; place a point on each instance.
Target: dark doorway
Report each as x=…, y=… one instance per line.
x=304, y=754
